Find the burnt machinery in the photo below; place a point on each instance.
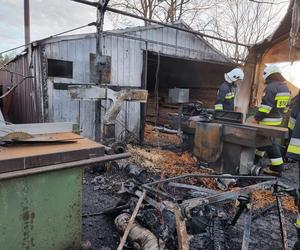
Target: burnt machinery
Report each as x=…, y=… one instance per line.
x=222, y=141
x=114, y=100
x=173, y=214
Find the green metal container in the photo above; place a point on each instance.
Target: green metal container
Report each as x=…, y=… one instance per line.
x=41, y=211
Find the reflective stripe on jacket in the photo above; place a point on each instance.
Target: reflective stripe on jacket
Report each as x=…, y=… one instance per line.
x=293, y=150
x=295, y=108
x=225, y=97
x=274, y=103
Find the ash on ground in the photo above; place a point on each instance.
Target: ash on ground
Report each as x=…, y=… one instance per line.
x=100, y=192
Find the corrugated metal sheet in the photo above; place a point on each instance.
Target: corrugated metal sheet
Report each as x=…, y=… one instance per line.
x=20, y=106
x=126, y=70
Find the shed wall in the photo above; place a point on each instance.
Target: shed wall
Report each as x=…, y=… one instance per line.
x=126, y=71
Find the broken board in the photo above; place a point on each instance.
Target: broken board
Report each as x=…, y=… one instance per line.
x=19, y=157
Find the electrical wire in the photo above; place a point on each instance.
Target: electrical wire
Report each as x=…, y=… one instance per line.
x=124, y=13
x=55, y=35
x=264, y=2
x=12, y=72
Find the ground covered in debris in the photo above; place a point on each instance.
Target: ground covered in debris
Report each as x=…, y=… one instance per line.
x=100, y=193
x=156, y=138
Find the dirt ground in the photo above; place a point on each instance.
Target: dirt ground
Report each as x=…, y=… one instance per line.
x=100, y=192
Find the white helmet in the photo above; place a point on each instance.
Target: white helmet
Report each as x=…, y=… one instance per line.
x=234, y=75
x=271, y=69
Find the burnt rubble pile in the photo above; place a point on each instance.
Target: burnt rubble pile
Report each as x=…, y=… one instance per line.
x=155, y=213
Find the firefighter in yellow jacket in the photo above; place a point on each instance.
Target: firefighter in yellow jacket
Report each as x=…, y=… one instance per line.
x=226, y=92
x=293, y=152
x=274, y=103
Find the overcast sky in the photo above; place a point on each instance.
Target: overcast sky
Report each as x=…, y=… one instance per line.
x=47, y=17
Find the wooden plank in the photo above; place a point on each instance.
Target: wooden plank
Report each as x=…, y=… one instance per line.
x=240, y=135
x=183, y=239
x=272, y=131
x=37, y=128
x=19, y=157
x=131, y=221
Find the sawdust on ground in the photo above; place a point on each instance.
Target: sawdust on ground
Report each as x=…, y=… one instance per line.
x=153, y=136
x=264, y=198
x=168, y=163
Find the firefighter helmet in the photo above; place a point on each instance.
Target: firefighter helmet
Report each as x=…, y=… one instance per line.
x=234, y=75
x=270, y=69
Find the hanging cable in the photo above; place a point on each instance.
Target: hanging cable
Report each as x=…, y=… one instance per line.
x=58, y=34
x=124, y=13
x=265, y=2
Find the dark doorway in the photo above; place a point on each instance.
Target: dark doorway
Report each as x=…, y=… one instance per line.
x=165, y=72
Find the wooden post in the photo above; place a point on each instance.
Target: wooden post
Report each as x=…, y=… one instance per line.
x=100, y=64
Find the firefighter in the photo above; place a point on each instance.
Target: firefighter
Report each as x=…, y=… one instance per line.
x=274, y=103
x=226, y=92
x=295, y=104
x=293, y=152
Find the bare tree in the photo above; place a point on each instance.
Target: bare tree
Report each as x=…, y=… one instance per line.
x=144, y=8
x=162, y=10
x=4, y=59
x=242, y=21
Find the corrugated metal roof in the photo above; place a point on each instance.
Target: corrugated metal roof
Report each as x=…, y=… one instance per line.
x=139, y=30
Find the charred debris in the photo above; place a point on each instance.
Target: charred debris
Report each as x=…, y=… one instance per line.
x=157, y=208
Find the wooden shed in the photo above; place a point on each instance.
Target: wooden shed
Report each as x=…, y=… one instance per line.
x=139, y=58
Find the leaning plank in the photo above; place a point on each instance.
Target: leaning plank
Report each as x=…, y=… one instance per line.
x=130, y=223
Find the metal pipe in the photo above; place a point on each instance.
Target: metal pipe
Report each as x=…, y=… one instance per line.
x=204, y=190
x=158, y=192
x=67, y=165
x=94, y=4
x=124, y=13
x=26, y=22
x=212, y=176
x=141, y=237
x=255, y=170
x=188, y=205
